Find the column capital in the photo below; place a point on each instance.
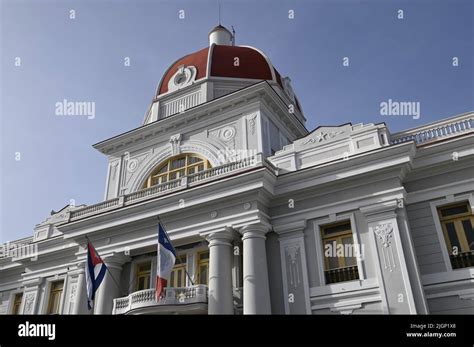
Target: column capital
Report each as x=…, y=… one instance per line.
x=382, y=210
x=78, y=269
x=254, y=231
x=223, y=237
x=290, y=230
x=32, y=282
x=116, y=260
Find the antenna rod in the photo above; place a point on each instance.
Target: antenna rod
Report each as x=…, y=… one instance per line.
x=219, y=6
x=233, y=36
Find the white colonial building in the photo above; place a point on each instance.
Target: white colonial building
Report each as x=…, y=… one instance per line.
x=266, y=216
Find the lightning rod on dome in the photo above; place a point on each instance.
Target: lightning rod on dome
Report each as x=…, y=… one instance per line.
x=233, y=35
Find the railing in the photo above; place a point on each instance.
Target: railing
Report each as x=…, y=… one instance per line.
x=154, y=190
x=221, y=170
x=172, y=296
x=435, y=131
x=462, y=260
x=341, y=274
x=91, y=209
x=180, y=104
x=174, y=185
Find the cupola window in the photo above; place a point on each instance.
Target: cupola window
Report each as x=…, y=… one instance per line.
x=177, y=167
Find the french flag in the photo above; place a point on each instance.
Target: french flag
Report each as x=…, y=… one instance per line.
x=95, y=273
x=166, y=259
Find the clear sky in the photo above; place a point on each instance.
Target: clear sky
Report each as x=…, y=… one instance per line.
x=82, y=59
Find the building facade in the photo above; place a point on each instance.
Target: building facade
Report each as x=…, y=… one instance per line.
x=266, y=217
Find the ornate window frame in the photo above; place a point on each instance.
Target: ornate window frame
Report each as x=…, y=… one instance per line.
x=187, y=75
x=204, y=161
x=317, y=226
x=162, y=153
x=197, y=264
x=449, y=199
x=191, y=259
x=133, y=271
x=11, y=300
x=47, y=293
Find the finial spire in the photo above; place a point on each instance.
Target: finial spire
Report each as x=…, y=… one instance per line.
x=220, y=36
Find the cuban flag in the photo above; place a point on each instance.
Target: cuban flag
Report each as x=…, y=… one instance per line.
x=95, y=273
x=166, y=259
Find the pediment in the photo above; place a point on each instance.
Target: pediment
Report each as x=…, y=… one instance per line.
x=325, y=134
x=328, y=143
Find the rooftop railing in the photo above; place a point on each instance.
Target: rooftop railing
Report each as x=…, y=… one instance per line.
x=436, y=131
x=170, y=186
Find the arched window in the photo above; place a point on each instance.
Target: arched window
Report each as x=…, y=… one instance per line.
x=177, y=167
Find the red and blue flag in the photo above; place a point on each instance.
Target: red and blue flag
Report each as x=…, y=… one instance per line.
x=95, y=272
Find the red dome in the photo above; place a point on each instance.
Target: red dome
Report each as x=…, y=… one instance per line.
x=253, y=64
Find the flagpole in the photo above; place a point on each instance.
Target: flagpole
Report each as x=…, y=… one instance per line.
x=186, y=271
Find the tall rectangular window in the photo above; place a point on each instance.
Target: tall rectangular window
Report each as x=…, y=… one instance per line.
x=178, y=274
x=55, y=297
x=143, y=276
x=203, y=268
x=457, y=222
x=17, y=303
x=340, y=262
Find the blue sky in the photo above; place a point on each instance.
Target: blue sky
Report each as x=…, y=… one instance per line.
x=82, y=60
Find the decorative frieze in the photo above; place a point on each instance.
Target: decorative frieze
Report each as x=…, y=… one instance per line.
x=293, y=264
x=294, y=268
x=183, y=77
x=114, y=169
x=132, y=165
x=327, y=144
x=252, y=122
x=226, y=134
x=384, y=234
x=175, y=142
x=29, y=303
x=392, y=271
x=322, y=136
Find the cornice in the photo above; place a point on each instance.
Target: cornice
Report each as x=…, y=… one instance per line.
x=297, y=226
x=385, y=159
x=232, y=186
x=195, y=114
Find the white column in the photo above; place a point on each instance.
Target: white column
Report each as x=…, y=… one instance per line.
x=80, y=300
x=256, y=287
x=220, y=272
x=109, y=288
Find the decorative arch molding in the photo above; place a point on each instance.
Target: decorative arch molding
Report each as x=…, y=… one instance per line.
x=166, y=152
x=205, y=149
